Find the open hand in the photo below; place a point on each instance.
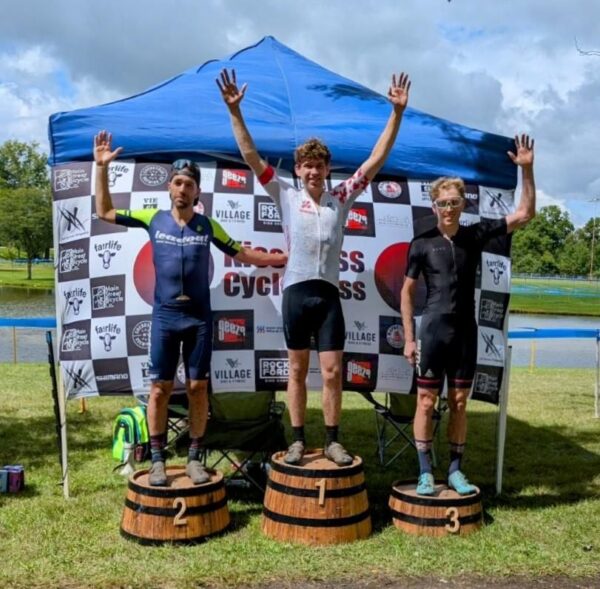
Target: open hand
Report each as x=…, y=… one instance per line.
x=524, y=155
x=102, y=149
x=398, y=92
x=232, y=96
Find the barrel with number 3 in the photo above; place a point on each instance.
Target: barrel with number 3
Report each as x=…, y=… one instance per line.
x=316, y=502
x=180, y=512
x=444, y=513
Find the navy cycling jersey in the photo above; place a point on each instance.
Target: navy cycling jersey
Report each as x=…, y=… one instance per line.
x=449, y=265
x=180, y=255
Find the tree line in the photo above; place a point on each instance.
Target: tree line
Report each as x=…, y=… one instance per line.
x=549, y=245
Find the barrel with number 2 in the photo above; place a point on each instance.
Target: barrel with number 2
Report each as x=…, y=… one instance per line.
x=180, y=512
x=316, y=502
x=444, y=513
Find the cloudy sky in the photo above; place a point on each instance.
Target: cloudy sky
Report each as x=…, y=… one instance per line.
x=503, y=66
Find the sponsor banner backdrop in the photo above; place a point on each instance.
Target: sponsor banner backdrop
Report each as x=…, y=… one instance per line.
x=105, y=282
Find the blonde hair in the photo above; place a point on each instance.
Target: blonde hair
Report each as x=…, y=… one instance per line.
x=312, y=149
x=445, y=183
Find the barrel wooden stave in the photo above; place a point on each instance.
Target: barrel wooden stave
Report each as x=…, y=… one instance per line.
x=316, y=503
x=180, y=512
x=442, y=514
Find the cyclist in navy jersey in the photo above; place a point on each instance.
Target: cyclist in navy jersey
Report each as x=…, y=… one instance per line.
x=181, y=314
x=313, y=224
x=447, y=256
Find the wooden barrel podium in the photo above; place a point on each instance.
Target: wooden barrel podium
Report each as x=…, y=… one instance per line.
x=442, y=514
x=316, y=502
x=180, y=512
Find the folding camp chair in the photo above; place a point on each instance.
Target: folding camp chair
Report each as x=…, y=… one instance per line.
x=393, y=424
x=248, y=423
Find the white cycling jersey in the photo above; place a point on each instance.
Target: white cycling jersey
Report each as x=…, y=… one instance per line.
x=313, y=232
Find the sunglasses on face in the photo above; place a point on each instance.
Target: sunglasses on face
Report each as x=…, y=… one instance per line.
x=451, y=203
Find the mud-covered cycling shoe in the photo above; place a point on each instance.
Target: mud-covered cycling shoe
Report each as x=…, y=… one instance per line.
x=157, y=476
x=196, y=471
x=338, y=454
x=295, y=453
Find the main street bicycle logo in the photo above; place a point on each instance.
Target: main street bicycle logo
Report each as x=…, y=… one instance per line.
x=70, y=179
x=72, y=259
x=75, y=339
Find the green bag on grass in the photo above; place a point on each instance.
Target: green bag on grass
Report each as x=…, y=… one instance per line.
x=130, y=432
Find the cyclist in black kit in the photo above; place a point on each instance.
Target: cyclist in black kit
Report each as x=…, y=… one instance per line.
x=447, y=256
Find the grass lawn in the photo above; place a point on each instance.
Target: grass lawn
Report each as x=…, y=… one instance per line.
x=546, y=523
x=11, y=274
x=557, y=297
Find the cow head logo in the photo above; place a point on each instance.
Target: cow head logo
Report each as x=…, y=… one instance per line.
x=107, y=340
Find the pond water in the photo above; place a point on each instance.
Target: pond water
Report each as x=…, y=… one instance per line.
x=560, y=353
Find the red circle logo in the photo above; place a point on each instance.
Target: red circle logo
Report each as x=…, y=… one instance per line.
x=390, y=269
x=144, y=275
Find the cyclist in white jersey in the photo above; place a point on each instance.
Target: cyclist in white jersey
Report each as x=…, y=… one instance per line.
x=313, y=224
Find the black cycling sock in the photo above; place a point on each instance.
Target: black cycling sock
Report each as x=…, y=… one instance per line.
x=424, y=455
x=194, y=448
x=456, y=453
x=298, y=433
x=331, y=434
x=157, y=446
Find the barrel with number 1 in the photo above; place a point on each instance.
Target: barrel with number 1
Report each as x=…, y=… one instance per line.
x=316, y=502
x=180, y=512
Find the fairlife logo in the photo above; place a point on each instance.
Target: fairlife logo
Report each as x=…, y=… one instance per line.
x=116, y=171
x=74, y=298
x=106, y=251
x=497, y=268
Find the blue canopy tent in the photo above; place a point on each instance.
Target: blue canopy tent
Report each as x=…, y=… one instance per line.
x=290, y=98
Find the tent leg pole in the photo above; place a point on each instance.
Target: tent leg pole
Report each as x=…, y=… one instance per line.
x=597, y=390
x=63, y=436
x=502, y=418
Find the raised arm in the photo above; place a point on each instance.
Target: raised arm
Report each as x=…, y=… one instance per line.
x=103, y=156
x=232, y=96
x=524, y=159
x=407, y=309
x=398, y=96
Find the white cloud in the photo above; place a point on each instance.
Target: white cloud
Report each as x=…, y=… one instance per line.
x=504, y=67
